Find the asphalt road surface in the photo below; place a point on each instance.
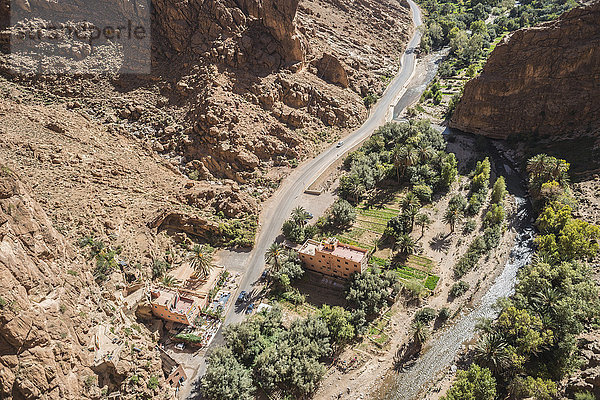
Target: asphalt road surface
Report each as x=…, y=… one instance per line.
x=279, y=207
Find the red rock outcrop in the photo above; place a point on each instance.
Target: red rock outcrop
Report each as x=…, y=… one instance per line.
x=236, y=86
x=332, y=70
x=543, y=80
x=50, y=309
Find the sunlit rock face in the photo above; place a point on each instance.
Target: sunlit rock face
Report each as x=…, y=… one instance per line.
x=543, y=80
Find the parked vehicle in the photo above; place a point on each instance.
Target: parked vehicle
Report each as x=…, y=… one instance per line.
x=340, y=144
x=180, y=346
x=242, y=297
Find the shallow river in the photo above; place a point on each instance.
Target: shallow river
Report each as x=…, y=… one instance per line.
x=444, y=347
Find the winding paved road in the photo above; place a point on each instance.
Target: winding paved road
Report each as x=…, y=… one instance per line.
x=278, y=208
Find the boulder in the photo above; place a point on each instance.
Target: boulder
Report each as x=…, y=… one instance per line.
x=332, y=70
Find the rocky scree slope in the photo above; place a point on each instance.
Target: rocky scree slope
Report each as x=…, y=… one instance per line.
x=50, y=310
x=240, y=89
x=542, y=81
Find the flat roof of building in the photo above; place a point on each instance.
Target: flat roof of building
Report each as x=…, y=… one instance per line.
x=183, y=305
x=309, y=247
x=341, y=250
x=165, y=296
x=349, y=253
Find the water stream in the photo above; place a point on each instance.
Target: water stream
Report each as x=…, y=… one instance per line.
x=408, y=384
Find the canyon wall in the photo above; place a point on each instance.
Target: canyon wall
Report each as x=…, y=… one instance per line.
x=542, y=81
x=52, y=313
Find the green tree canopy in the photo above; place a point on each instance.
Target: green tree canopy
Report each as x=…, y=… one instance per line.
x=226, y=378
x=474, y=384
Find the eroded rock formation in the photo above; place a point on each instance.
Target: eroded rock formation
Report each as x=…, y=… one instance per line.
x=50, y=312
x=237, y=87
x=543, y=80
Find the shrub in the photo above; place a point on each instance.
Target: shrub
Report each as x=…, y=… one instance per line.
x=423, y=192
x=469, y=226
x=530, y=387
x=134, y=379
x=342, y=214
x=444, y=314
x=369, y=100
x=188, y=337
x=159, y=267
x=292, y=231
x=492, y=236
x=499, y=190
x=458, y=202
x=495, y=215
x=475, y=203
x=425, y=315
x=481, y=175
x=459, y=288
x=238, y=232
x=294, y=296
x=477, y=383
x=369, y=290
x=413, y=289
x=584, y=396
x=90, y=381
x=152, y=383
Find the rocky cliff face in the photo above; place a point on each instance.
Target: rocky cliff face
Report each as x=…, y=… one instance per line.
x=543, y=80
x=238, y=89
x=51, y=311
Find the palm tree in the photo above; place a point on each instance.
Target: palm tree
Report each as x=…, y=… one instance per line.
x=201, y=261
x=426, y=152
x=406, y=244
x=410, y=200
x=538, y=163
x=547, y=301
x=423, y=221
x=410, y=204
x=420, y=334
x=300, y=215
x=409, y=157
x=169, y=281
x=272, y=255
x=543, y=168
x=397, y=161
x=452, y=217
x=491, y=352
x=357, y=191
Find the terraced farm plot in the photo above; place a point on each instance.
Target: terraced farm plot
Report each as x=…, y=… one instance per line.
x=419, y=269
x=369, y=226
x=419, y=262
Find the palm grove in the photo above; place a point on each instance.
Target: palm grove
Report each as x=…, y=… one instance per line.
x=261, y=355
x=532, y=344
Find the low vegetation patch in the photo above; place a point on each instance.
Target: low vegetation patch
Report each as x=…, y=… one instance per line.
x=531, y=345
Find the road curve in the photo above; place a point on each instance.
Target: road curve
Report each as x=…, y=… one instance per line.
x=286, y=197
x=278, y=208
